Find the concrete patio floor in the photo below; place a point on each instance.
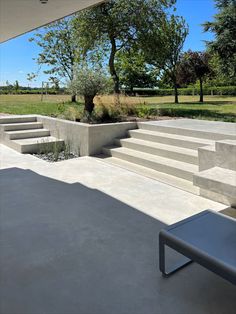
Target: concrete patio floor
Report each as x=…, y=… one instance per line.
x=80, y=237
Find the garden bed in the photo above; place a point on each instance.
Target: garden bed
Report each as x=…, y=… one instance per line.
x=55, y=157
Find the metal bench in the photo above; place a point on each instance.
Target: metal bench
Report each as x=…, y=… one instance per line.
x=208, y=238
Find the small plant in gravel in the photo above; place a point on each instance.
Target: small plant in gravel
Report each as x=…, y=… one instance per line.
x=56, y=152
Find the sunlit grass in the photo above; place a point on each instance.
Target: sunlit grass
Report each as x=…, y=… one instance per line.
x=214, y=107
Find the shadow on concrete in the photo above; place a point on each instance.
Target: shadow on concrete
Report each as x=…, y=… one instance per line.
x=69, y=249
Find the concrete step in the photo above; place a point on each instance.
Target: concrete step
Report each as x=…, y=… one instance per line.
x=37, y=144
x=172, y=167
x=22, y=126
x=13, y=135
x=218, y=180
x=164, y=150
x=179, y=183
x=226, y=154
x=170, y=139
x=218, y=184
x=205, y=133
x=17, y=119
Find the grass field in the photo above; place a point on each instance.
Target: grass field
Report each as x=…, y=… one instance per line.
x=215, y=107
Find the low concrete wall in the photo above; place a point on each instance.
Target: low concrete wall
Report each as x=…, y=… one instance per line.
x=86, y=139
x=221, y=155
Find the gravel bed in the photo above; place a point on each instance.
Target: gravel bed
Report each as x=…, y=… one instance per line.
x=52, y=157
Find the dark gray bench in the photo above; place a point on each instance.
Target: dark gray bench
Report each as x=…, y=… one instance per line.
x=208, y=238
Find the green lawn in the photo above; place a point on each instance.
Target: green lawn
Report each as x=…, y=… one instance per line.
x=223, y=112
x=214, y=108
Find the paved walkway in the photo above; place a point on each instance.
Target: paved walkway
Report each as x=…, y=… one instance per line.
x=74, y=240
x=161, y=201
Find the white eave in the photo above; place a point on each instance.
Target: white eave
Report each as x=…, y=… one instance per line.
x=21, y=16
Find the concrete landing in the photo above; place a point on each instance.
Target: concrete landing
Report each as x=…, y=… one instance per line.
x=219, y=127
x=161, y=201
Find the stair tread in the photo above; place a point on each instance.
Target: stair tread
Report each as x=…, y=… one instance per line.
x=37, y=140
x=217, y=174
x=22, y=123
x=172, y=136
x=154, y=158
x=162, y=146
x=17, y=119
x=26, y=131
x=152, y=174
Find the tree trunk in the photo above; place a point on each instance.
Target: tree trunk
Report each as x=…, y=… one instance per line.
x=112, y=68
x=132, y=90
x=201, y=90
x=176, y=94
x=73, y=98
x=88, y=104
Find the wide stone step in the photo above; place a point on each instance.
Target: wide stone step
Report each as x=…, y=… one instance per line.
x=218, y=184
x=170, y=139
x=22, y=126
x=31, y=133
x=38, y=144
x=179, y=183
x=218, y=180
x=164, y=150
x=173, y=167
x=17, y=119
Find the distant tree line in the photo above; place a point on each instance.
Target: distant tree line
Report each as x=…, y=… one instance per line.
x=16, y=88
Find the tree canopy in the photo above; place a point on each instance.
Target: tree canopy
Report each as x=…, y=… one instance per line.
x=134, y=71
x=59, y=50
x=193, y=66
x=163, y=43
x=224, y=28
x=114, y=25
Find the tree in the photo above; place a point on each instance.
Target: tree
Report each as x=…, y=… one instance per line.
x=88, y=83
x=60, y=51
x=134, y=71
x=162, y=45
x=194, y=65
x=114, y=25
x=16, y=86
x=224, y=29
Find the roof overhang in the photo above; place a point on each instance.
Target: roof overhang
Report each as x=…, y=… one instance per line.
x=21, y=16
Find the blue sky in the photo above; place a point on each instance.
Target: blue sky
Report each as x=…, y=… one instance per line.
x=16, y=55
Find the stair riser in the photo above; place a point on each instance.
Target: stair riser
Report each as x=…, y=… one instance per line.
x=28, y=135
x=180, y=173
x=158, y=152
x=22, y=127
x=17, y=120
x=168, y=141
x=184, y=132
x=40, y=147
x=11, y=145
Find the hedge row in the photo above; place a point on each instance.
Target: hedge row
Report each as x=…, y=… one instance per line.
x=217, y=90
x=27, y=91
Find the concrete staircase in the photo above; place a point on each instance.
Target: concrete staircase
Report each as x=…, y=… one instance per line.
x=26, y=135
x=160, y=153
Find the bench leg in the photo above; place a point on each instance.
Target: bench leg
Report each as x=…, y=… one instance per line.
x=162, y=265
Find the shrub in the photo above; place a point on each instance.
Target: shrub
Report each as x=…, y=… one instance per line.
x=88, y=83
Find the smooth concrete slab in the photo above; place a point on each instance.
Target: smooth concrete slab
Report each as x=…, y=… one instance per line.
x=80, y=237
x=161, y=201
x=199, y=125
